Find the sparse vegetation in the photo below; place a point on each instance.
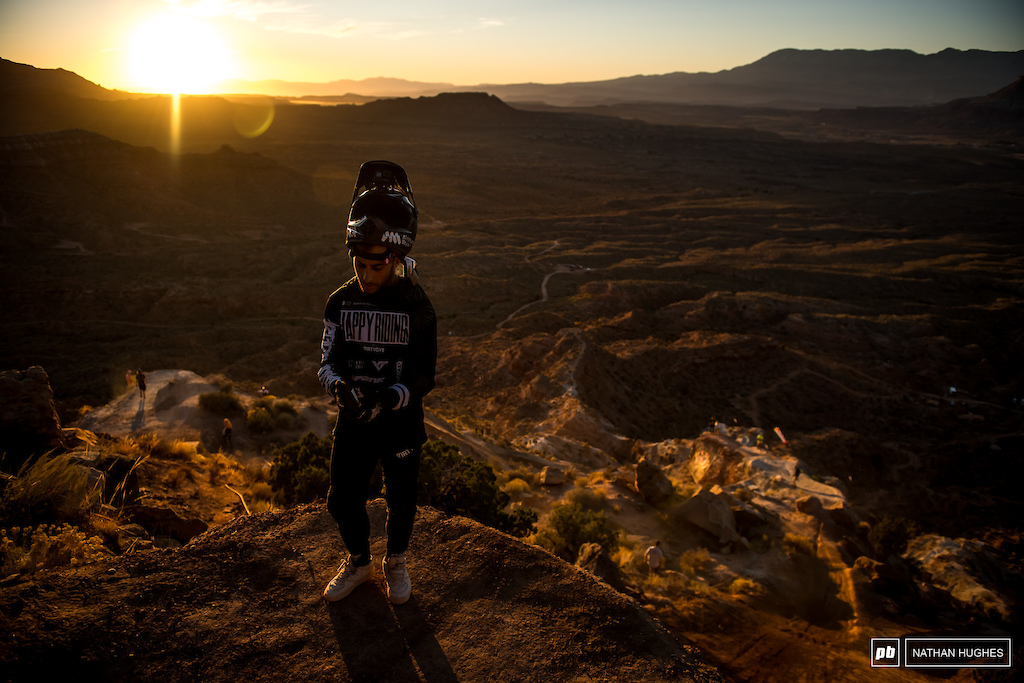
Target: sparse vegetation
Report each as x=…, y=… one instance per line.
x=571, y=525
x=796, y=544
x=51, y=488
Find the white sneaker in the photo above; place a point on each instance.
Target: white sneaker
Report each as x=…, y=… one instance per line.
x=345, y=581
x=397, y=578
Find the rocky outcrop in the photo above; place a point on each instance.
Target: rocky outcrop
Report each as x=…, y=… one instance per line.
x=243, y=602
x=714, y=459
x=960, y=571
x=29, y=424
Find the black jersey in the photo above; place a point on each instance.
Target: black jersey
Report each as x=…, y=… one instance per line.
x=386, y=341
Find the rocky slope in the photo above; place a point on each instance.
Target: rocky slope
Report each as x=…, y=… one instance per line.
x=242, y=601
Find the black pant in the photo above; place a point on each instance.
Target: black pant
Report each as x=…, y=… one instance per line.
x=354, y=457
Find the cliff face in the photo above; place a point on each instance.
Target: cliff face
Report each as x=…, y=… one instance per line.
x=242, y=601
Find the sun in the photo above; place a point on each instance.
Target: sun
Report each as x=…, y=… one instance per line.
x=176, y=54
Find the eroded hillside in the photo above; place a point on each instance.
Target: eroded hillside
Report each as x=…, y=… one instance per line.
x=603, y=288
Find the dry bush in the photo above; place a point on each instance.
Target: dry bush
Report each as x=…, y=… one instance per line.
x=261, y=491
x=49, y=488
x=174, y=450
x=795, y=544
x=744, y=586
x=28, y=549
x=259, y=421
x=599, y=477
x=181, y=476
x=216, y=468
x=255, y=473
x=261, y=505
x=531, y=477
x=517, y=488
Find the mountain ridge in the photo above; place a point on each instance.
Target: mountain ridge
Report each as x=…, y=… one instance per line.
x=914, y=79
x=787, y=78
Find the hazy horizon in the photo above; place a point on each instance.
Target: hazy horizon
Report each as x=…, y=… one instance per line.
x=192, y=46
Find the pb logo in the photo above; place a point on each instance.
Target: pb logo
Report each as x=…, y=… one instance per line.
x=885, y=652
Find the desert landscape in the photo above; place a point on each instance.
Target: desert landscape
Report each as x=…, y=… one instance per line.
x=801, y=325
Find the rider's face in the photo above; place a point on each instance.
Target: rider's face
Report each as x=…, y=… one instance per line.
x=372, y=274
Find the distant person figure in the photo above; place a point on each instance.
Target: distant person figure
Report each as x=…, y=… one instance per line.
x=140, y=379
x=654, y=557
x=225, y=436
x=129, y=379
x=378, y=356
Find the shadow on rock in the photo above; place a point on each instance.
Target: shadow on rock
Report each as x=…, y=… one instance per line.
x=379, y=642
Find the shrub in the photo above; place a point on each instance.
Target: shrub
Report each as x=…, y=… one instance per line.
x=586, y=498
x=517, y=488
x=301, y=470
x=459, y=485
x=571, y=525
x=27, y=549
x=284, y=421
x=221, y=403
x=694, y=562
x=259, y=421
x=891, y=535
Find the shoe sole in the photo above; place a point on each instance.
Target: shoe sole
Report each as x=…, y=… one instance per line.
x=400, y=600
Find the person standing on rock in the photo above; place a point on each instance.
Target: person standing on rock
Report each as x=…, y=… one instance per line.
x=140, y=380
x=654, y=557
x=378, y=355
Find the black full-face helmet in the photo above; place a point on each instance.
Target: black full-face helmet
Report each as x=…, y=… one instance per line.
x=383, y=212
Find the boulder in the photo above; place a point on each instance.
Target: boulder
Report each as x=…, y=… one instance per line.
x=29, y=424
x=710, y=513
x=552, y=476
x=963, y=571
x=651, y=483
x=714, y=460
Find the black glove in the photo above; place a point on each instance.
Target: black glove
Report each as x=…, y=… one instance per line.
x=347, y=398
x=370, y=405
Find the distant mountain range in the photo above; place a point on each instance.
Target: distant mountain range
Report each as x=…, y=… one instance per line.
x=794, y=79
x=790, y=79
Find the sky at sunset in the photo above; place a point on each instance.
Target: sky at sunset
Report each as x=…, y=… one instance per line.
x=190, y=45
